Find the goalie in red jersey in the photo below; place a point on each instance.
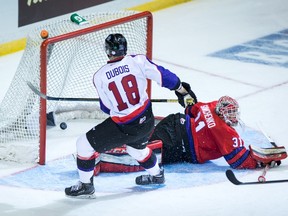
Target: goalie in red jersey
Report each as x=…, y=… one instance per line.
x=205, y=132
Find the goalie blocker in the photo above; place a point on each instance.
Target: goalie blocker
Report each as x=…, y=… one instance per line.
x=119, y=161
x=270, y=156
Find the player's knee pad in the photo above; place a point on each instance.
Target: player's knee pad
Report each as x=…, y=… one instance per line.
x=83, y=147
x=145, y=157
x=138, y=154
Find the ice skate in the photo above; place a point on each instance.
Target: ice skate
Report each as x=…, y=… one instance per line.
x=81, y=190
x=150, y=179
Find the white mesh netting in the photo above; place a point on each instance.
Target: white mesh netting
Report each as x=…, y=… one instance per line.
x=71, y=65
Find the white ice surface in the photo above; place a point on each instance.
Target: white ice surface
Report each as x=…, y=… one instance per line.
x=184, y=36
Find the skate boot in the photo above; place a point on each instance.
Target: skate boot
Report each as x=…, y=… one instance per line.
x=81, y=190
x=150, y=179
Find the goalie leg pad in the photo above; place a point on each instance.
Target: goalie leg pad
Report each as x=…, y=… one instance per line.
x=118, y=160
x=84, y=149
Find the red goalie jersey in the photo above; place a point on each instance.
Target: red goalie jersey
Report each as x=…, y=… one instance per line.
x=210, y=137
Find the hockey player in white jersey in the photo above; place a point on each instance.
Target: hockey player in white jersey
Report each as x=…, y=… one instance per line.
x=121, y=85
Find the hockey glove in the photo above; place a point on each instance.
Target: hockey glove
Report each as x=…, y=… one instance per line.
x=186, y=97
x=271, y=164
x=270, y=156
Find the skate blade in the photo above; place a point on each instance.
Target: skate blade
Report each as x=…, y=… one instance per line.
x=86, y=196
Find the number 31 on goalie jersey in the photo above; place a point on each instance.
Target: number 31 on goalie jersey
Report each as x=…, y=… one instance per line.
x=200, y=125
x=237, y=142
x=130, y=87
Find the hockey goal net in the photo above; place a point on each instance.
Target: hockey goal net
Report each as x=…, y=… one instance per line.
x=62, y=66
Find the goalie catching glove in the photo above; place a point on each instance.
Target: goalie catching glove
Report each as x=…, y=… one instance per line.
x=186, y=96
x=268, y=156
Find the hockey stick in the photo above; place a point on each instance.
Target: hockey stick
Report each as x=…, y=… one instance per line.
x=47, y=97
x=232, y=178
x=266, y=135
x=261, y=179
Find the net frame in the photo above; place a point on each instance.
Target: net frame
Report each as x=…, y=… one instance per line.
x=44, y=50
x=23, y=114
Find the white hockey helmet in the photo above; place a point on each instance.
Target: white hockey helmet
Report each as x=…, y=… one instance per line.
x=228, y=109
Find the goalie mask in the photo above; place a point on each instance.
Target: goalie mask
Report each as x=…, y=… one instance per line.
x=115, y=45
x=228, y=109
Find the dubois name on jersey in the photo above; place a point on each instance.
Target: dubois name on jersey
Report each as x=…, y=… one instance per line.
x=122, y=84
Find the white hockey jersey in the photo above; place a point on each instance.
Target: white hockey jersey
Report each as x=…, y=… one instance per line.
x=122, y=85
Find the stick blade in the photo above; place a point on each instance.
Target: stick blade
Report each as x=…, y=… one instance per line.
x=232, y=178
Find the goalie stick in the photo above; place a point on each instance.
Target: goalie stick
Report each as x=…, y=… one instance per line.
x=47, y=97
x=261, y=179
x=232, y=178
x=272, y=142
